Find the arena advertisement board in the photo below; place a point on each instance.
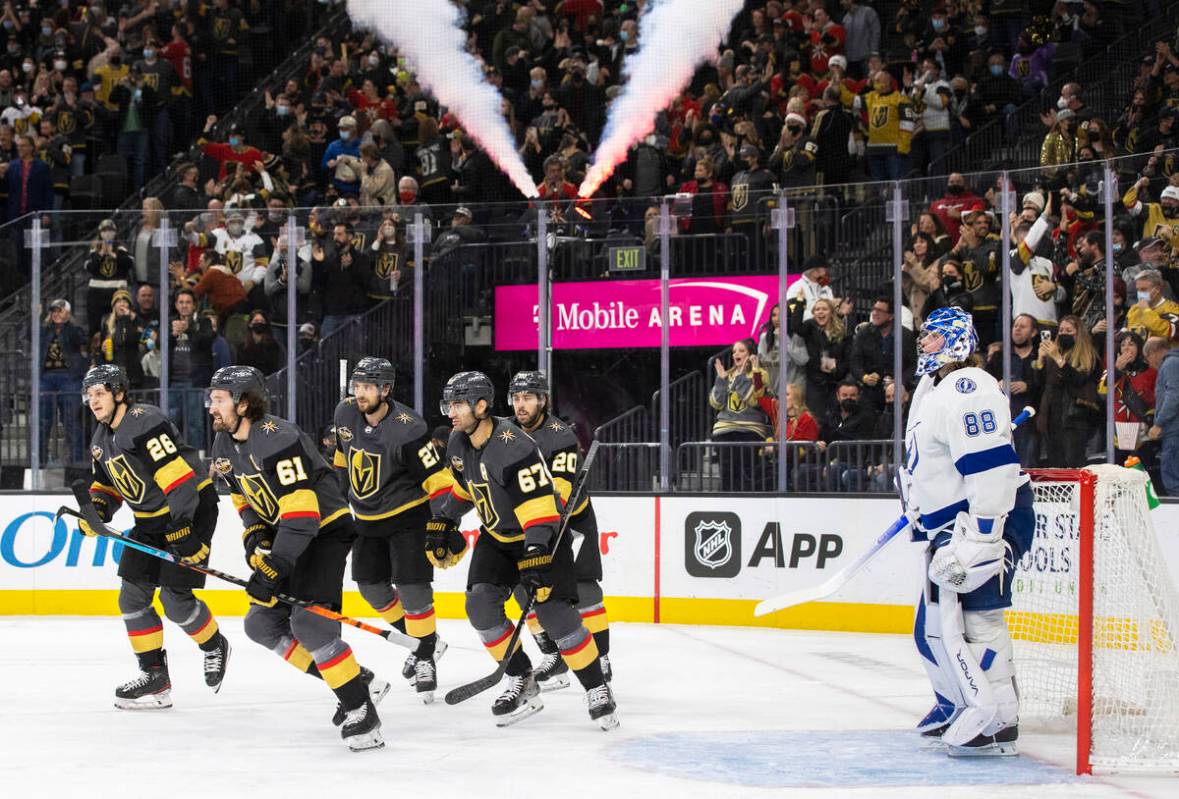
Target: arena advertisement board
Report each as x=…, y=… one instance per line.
x=702, y=560
x=606, y=314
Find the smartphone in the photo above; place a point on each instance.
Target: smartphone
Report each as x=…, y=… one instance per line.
x=1045, y=335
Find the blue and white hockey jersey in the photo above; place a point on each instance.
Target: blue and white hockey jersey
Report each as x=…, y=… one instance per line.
x=958, y=451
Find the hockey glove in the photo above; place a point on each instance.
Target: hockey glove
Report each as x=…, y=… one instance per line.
x=184, y=543
x=975, y=553
x=445, y=545
x=103, y=507
x=86, y=528
x=257, y=538
x=268, y=572
x=534, y=570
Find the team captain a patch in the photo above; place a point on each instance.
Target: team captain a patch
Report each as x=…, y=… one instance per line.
x=965, y=385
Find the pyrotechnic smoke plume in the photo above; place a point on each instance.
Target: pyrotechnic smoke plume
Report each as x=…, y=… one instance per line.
x=676, y=37
x=429, y=34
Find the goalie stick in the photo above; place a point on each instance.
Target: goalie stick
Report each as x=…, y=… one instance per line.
x=87, y=513
x=465, y=692
x=840, y=578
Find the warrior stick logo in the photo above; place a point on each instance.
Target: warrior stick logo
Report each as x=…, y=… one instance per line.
x=712, y=544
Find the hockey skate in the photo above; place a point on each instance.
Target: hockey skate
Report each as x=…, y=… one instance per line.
x=409, y=668
x=151, y=690
x=425, y=679
x=362, y=728
x=215, y=663
x=519, y=700
x=553, y=673
x=601, y=706
x=1001, y=744
x=377, y=688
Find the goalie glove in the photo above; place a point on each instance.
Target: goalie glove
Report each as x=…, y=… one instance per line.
x=445, y=545
x=974, y=554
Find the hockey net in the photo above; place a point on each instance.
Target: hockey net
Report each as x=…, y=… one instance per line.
x=1096, y=647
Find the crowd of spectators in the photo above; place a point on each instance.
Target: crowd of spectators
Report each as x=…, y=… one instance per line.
x=801, y=93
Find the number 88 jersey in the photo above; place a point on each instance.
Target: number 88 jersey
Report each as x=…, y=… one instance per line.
x=958, y=449
x=277, y=477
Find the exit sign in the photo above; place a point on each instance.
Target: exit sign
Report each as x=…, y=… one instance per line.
x=627, y=259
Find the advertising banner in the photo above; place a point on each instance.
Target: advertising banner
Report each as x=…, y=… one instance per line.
x=712, y=311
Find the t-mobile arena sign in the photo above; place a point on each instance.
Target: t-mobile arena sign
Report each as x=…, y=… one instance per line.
x=704, y=312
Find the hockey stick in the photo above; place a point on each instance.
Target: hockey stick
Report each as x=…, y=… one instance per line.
x=465, y=692
x=840, y=578
x=89, y=514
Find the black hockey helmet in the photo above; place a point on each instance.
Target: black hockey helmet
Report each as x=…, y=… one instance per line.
x=467, y=387
x=532, y=382
x=106, y=374
x=239, y=380
x=370, y=369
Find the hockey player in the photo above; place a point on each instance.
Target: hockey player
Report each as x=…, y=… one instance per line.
x=966, y=496
x=139, y=458
x=395, y=480
x=528, y=394
x=499, y=469
x=298, y=533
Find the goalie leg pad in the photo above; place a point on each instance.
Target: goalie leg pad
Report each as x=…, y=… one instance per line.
x=928, y=636
x=990, y=642
x=980, y=705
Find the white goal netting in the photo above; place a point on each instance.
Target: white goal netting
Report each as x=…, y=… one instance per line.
x=1135, y=665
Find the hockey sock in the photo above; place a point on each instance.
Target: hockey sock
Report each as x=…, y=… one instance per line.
x=580, y=653
x=519, y=665
x=394, y=613
x=496, y=640
x=152, y=659
x=546, y=644
x=420, y=623
x=594, y=619
x=426, y=645
x=202, y=627
x=297, y=655
x=337, y=665
x=145, y=631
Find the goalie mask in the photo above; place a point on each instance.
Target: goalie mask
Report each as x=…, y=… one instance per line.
x=959, y=339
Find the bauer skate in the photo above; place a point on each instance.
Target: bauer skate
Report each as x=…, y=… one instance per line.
x=519, y=700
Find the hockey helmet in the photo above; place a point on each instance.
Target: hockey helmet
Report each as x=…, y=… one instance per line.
x=370, y=369
x=467, y=387
x=238, y=381
x=105, y=374
x=532, y=382
x=959, y=339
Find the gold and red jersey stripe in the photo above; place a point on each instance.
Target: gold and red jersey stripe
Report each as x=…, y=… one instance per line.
x=339, y=669
x=595, y=619
x=419, y=625
x=297, y=655
x=582, y=655
x=538, y=510
x=147, y=639
x=438, y=483
x=172, y=474
x=499, y=647
x=299, y=504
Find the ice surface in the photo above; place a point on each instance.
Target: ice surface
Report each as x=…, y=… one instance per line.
x=705, y=711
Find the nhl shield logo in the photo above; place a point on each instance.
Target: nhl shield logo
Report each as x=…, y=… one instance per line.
x=344, y=434
x=222, y=465
x=96, y=452
x=712, y=544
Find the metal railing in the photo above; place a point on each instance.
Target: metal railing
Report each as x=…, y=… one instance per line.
x=626, y=468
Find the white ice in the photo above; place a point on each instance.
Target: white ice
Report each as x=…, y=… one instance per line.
x=705, y=711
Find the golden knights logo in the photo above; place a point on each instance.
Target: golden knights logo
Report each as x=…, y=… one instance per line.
x=387, y=264
x=481, y=497
x=364, y=472
x=233, y=259
x=880, y=116
x=260, y=497
x=739, y=196
x=128, y=483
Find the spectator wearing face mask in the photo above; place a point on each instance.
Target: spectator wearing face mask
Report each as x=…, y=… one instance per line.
x=260, y=349
x=1134, y=399
x=344, y=178
x=110, y=267
x=950, y=206
x=814, y=285
x=233, y=150
x=278, y=277
x=1070, y=412
x=890, y=128
x=22, y=116
x=1152, y=314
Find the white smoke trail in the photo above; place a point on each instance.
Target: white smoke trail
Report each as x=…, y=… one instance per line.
x=676, y=37
x=429, y=34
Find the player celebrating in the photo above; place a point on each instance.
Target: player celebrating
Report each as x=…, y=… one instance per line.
x=528, y=393
x=963, y=489
x=395, y=480
x=500, y=470
x=297, y=538
x=139, y=458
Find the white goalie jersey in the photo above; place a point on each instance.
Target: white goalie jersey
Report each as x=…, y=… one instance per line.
x=958, y=450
